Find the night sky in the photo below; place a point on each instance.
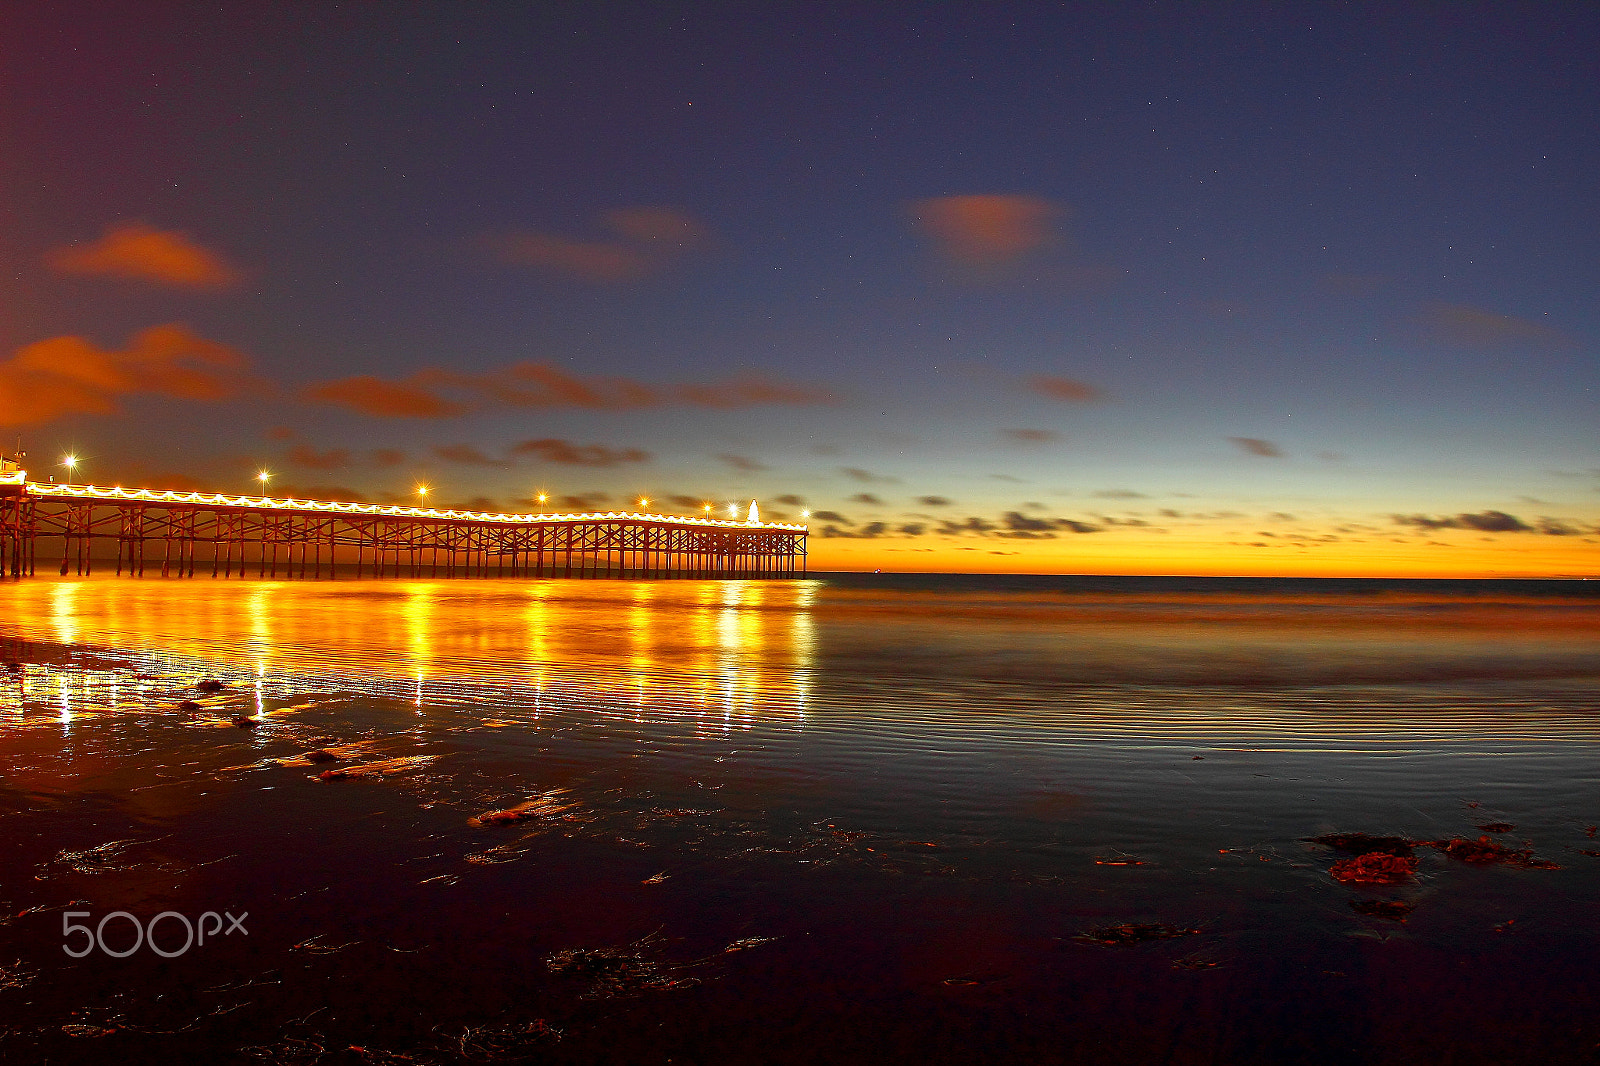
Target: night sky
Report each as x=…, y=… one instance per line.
x=1095, y=288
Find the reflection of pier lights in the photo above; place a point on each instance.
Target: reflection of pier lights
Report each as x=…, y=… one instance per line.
x=305, y=536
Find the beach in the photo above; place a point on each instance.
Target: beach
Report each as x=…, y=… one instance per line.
x=943, y=819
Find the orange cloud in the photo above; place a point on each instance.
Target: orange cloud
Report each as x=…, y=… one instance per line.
x=1473, y=328
x=665, y=225
x=383, y=399
x=426, y=393
x=69, y=375
x=134, y=250
x=467, y=454
x=588, y=260
x=1256, y=446
x=311, y=459
x=552, y=450
x=1065, y=389
x=986, y=230
x=338, y=493
x=650, y=238
x=742, y=463
x=1031, y=436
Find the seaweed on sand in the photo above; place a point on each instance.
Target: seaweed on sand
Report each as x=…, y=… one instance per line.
x=1375, y=868
x=502, y=1043
x=1390, y=910
x=545, y=805
x=628, y=970
x=1133, y=933
x=1486, y=852
x=1362, y=844
x=622, y=971
x=381, y=768
x=16, y=976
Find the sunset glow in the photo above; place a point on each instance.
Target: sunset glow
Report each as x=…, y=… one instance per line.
x=1348, y=331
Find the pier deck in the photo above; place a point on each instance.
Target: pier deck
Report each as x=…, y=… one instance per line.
x=185, y=533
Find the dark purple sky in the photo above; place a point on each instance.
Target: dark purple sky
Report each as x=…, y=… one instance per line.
x=1100, y=264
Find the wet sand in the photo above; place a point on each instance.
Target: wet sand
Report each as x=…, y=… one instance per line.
x=796, y=821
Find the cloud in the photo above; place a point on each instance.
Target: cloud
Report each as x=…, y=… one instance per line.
x=336, y=493
x=1256, y=446
x=387, y=456
x=1016, y=520
x=1472, y=328
x=872, y=529
x=431, y=392
x=280, y=433
x=831, y=516
x=308, y=457
x=855, y=473
x=598, y=261
x=1031, y=436
x=1119, y=494
x=1069, y=389
x=866, y=498
x=971, y=525
x=934, y=501
x=1494, y=522
x=742, y=463
x=987, y=230
x=70, y=375
x=383, y=399
x=656, y=225
x=585, y=501
x=167, y=481
x=913, y=529
x=467, y=455
x=134, y=250
x=553, y=450
x=1077, y=527
x=791, y=500
x=650, y=239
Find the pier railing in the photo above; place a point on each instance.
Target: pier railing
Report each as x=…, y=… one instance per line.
x=188, y=532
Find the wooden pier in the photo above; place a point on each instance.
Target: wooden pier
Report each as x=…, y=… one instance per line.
x=180, y=534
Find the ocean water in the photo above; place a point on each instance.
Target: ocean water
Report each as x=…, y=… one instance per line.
x=898, y=818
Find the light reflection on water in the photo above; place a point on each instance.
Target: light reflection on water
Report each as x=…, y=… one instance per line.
x=1237, y=669
x=910, y=789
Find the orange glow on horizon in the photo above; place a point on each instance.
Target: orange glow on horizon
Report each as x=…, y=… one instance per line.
x=1204, y=553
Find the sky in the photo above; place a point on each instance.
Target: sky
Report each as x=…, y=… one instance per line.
x=1097, y=288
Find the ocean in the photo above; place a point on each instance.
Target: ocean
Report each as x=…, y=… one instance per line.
x=905, y=818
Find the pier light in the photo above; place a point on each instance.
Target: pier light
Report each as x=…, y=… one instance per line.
x=543, y=497
x=70, y=462
x=643, y=502
x=422, y=490
x=263, y=476
x=805, y=514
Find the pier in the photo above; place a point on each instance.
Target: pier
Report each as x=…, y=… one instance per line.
x=180, y=534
